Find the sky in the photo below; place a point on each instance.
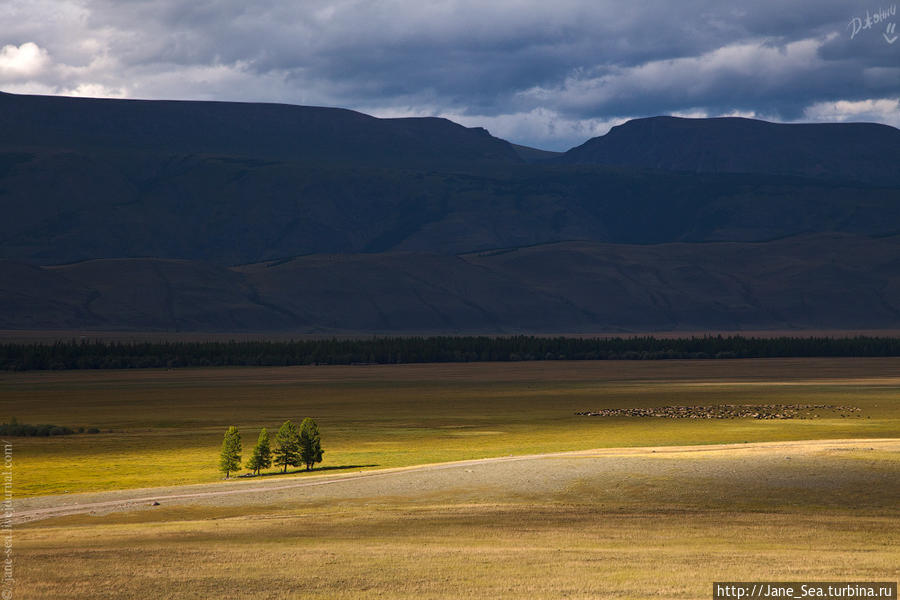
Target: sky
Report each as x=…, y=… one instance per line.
x=549, y=74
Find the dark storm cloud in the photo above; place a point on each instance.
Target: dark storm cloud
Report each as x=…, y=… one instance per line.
x=547, y=73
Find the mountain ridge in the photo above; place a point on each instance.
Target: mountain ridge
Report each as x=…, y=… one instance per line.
x=241, y=129
x=867, y=152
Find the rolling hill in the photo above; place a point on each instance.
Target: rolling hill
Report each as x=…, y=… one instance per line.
x=812, y=282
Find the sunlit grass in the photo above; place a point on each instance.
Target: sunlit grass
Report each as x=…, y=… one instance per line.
x=167, y=426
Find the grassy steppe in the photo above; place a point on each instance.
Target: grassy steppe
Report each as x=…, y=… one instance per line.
x=630, y=524
x=624, y=525
x=167, y=426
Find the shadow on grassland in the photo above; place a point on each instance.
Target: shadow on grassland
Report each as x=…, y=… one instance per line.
x=317, y=470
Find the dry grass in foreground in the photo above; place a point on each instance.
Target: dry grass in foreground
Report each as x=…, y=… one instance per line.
x=457, y=551
x=623, y=525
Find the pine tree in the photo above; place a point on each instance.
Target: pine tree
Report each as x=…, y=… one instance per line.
x=230, y=459
x=310, y=443
x=287, y=446
x=262, y=453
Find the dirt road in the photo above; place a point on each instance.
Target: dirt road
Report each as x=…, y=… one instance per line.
x=402, y=480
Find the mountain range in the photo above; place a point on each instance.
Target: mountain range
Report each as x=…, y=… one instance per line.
x=217, y=216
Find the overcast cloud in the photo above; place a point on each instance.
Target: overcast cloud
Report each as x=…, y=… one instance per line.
x=549, y=74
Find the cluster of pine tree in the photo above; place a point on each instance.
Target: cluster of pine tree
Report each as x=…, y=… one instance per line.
x=437, y=349
x=294, y=446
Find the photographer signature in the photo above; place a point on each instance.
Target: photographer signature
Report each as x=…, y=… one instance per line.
x=882, y=15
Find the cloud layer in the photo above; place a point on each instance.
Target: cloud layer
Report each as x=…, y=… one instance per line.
x=550, y=74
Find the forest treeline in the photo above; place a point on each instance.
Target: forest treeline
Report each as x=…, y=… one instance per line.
x=394, y=350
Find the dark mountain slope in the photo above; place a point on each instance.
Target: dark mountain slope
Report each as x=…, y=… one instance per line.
x=837, y=151
x=234, y=183
x=803, y=283
x=36, y=298
x=68, y=206
x=407, y=292
x=169, y=294
x=817, y=282
x=534, y=155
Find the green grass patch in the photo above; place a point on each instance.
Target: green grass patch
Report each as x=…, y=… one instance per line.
x=167, y=426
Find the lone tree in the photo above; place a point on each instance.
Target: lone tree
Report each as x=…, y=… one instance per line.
x=230, y=459
x=287, y=446
x=262, y=454
x=310, y=443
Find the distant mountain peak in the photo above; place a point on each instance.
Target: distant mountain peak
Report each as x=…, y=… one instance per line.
x=843, y=151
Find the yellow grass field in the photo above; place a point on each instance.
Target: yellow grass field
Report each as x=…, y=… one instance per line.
x=642, y=518
x=167, y=425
